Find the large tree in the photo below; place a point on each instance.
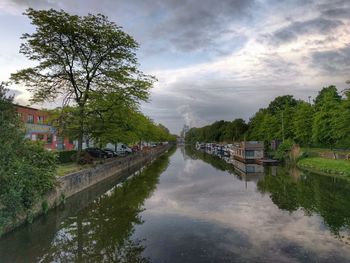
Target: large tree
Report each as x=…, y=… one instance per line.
x=302, y=123
x=327, y=105
x=80, y=59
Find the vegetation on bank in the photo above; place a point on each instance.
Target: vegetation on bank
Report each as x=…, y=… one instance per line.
x=326, y=166
x=27, y=170
x=323, y=123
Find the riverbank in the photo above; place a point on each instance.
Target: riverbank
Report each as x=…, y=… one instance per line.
x=326, y=166
x=73, y=183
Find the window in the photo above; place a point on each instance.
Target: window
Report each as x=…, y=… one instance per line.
x=40, y=119
x=40, y=137
x=249, y=153
x=30, y=118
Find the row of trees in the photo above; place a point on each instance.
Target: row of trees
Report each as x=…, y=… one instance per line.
x=220, y=131
x=324, y=123
x=90, y=64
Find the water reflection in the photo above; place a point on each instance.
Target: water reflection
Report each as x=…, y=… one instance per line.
x=194, y=207
x=327, y=196
x=292, y=189
x=244, y=171
x=100, y=232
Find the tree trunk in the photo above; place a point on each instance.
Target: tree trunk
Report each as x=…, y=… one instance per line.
x=80, y=142
x=81, y=130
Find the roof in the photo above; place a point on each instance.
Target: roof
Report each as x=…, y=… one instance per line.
x=25, y=107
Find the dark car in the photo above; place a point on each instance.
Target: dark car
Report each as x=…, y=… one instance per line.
x=98, y=153
x=110, y=151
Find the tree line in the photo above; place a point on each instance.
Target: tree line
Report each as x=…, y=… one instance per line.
x=323, y=123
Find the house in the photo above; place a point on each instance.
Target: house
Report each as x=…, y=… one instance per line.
x=37, y=128
x=248, y=151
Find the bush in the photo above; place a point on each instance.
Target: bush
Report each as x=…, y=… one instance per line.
x=283, y=150
x=84, y=158
x=25, y=179
x=27, y=170
x=65, y=156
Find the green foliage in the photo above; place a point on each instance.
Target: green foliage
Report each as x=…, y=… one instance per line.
x=283, y=150
x=45, y=206
x=26, y=168
x=62, y=199
x=326, y=123
x=341, y=123
x=90, y=61
x=220, y=131
x=327, y=93
x=302, y=123
x=65, y=156
x=281, y=103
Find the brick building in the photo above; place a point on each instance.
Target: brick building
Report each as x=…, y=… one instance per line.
x=37, y=129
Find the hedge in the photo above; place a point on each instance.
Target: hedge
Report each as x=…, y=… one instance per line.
x=65, y=156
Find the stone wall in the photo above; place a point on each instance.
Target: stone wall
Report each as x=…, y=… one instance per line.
x=78, y=181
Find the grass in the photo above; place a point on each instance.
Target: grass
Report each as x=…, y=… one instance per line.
x=68, y=168
x=326, y=166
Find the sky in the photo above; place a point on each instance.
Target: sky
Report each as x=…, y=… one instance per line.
x=214, y=60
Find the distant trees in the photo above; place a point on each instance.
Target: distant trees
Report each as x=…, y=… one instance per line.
x=220, y=131
x=326, y=123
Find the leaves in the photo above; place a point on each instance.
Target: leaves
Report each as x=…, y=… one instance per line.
x=26, y=168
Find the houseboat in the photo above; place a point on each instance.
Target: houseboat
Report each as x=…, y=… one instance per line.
x=248, y=151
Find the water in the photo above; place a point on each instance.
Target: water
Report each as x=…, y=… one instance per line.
x=192, y=207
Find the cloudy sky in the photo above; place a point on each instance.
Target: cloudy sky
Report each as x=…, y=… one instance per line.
x=214, y=60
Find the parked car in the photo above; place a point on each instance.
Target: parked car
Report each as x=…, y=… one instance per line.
x=98, y=153
x=123, y=149
x=120, y=148
x=114, y=153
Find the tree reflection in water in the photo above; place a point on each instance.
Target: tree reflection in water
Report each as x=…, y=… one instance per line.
x=102, y=232
x=324, y=195
x=291, y=189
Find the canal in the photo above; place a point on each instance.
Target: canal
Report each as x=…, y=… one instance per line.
x=189, y=206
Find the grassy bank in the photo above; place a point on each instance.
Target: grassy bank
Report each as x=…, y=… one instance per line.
x=326, y=166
